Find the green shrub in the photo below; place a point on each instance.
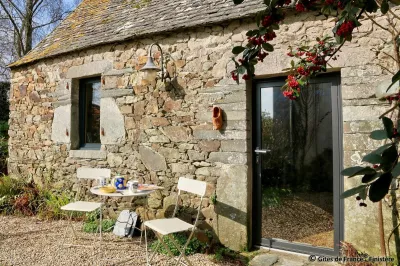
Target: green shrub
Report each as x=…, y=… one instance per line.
x=194, y=246
x=10, y=189
x=51, y=203
x=3, y=129
x=272, y=196
x=92, y=222
x=3, y=155
x=20, y=197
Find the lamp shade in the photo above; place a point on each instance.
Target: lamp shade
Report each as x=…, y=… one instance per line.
x=150, y=65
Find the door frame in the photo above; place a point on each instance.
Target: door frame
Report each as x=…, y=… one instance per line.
x=337, y=152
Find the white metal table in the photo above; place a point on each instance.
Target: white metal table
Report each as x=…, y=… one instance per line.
x=125, y=193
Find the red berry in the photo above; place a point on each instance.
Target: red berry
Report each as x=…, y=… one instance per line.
x=358, y=198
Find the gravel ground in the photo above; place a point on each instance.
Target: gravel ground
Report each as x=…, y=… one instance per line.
x=29, y=241
x=303, y=218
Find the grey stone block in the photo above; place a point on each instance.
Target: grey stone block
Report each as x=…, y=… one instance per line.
x=112, y=121
x=116, y=93
x=234, y=145
x=264, y=260
x=89, y=69
x=152, y=159
x=61, y=124
x=215, y=134
x=88, y=154
x=228, y=157
x=119, y=72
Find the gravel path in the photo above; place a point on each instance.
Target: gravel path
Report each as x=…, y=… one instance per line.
x=29, y=241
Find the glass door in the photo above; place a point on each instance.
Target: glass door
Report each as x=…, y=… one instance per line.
x=297, y=167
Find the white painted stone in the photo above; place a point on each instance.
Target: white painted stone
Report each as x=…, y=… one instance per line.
x=112, y=121
x=61, y=124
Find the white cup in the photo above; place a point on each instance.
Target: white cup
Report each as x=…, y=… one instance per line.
x=102, y=181
x=133, y=186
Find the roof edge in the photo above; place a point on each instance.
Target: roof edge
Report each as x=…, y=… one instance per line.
x=16, y=64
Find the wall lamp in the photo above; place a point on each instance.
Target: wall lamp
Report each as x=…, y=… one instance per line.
x=150, y=68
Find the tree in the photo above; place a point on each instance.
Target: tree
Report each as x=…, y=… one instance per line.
x=23, y=23
x=382, y=176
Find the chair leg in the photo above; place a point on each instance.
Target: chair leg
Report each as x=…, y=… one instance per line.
x=181, y=250
x=165, y=245
x=71, y=225
x=101, y=222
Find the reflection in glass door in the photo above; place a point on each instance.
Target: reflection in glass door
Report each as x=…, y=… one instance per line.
x=297, y=167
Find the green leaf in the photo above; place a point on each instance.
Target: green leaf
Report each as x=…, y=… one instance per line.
x=263, y=30
x=378, y=134
x=236, y=2
x=395, y=78
x=268, y=47
x=369, y=178
x=389, y=157
x=396, y=170
x=357, y=170
x=384, y=7
x=238, y=49
x=363, y=194
x=380, y=187
x=388, y=123
x=382, y=148
x=252, y=33
x=241, y=70
x=352, y=191
x=372, y=158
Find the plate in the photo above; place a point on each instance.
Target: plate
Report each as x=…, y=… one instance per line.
x=145, y=187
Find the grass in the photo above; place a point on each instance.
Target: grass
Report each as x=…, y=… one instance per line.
x=194, y=246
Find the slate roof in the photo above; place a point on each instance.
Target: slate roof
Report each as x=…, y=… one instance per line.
x=96, y=22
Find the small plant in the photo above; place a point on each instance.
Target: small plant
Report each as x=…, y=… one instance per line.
x=51, y=204
x=272, y=196
x=225, y=254
x=213, y=199
x=194, y=246
x=92, y=223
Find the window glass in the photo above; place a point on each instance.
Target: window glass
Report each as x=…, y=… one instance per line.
x=89, y=112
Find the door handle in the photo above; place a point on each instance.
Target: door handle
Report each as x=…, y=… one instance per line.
x=262, y=151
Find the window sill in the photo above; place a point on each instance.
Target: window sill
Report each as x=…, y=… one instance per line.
x=88, y=154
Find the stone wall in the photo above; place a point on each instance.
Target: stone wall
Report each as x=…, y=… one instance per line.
x=159, y=132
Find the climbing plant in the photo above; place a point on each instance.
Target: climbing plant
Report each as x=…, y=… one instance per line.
x=382, y=173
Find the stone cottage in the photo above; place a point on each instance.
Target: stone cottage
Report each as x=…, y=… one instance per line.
x=79, y=99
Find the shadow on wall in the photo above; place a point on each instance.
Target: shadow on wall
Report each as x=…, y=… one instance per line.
x=208, y=222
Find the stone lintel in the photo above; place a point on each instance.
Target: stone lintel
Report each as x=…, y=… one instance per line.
x=116, y=93
x=89, y=69
x=88, y=154
x=119, y=72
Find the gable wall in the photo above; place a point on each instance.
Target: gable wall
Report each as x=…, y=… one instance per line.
x=157, y=133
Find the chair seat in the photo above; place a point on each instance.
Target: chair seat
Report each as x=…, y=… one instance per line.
x=81, y=206
x=168, y=226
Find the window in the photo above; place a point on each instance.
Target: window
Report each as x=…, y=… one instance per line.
x=89, y=113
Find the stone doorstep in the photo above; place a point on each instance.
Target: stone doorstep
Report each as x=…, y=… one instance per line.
x=270, y=257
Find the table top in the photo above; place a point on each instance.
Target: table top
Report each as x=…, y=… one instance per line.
x=120, y=192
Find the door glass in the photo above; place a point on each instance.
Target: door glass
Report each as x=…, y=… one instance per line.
x=297, y=176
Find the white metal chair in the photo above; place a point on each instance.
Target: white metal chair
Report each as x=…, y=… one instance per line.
x=86, y=206
x=165, y=227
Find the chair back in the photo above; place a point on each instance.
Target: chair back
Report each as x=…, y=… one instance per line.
x=93, y=173
x=192, y=186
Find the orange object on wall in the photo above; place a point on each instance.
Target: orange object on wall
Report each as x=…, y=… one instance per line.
x=217, y=118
